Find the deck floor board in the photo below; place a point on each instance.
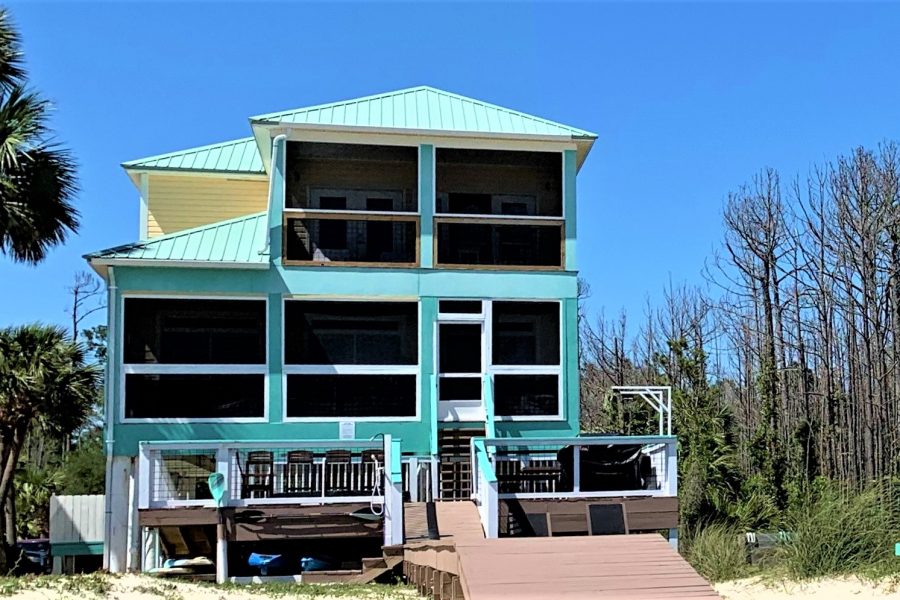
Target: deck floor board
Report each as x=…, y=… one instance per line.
x=611, y=567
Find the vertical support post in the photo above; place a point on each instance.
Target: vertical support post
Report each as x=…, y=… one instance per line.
x=492, y=528
x=488, y=393
x=274, y=366
x=117, y=544
x=413, y=479
x=223, y=466
x=221, y=548
x=576, y=468
x=276, y=198
x=145, y=470
x=134, y=525
x=672, y=468
x=569, y=172
x=673, y=538
x=393, y=492
x=426, y=205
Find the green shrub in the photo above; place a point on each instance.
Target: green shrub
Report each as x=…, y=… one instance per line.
x=718, y=552
x=834, y=530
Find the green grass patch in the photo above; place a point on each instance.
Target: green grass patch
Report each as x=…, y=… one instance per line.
x=718, y=552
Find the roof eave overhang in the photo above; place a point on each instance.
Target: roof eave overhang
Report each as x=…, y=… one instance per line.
x=101, y=265
x=265, y=130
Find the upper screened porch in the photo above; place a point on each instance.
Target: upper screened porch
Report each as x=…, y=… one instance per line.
x=415, y=178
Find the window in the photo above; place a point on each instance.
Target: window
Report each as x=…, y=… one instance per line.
x=194, y=358
x=498, y=244
x=351, y=359
x=526, y=333
x=525, y=358
x=351, y=333
x=498, y=182
x=459, y=361
x=526, y=395
x=194, y=396
x=167, y=331
x=351, y=396
x=351, y=204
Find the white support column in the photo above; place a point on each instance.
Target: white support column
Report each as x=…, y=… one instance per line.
x=576, y=468
x=393, y=493
x=150, y=545
x=492, y=505
x=221, y=549
x=134, y=525
x=116, y=546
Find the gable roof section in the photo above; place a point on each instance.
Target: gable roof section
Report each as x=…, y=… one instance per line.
x=424, y=108
x=235, y=242
x=236, y=156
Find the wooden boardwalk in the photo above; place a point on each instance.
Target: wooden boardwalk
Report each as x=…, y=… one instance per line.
x=463, y=564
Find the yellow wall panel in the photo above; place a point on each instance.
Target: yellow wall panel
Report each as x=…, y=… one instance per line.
x=180, y=202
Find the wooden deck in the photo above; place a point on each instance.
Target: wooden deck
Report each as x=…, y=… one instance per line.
x=465, y=565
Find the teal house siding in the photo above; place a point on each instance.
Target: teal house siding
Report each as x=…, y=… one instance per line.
x=276, y=284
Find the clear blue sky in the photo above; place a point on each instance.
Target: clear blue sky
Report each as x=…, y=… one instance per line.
x=689, y=102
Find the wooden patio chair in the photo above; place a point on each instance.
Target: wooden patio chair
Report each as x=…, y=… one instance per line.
x=300, y=474
x=258, y=475
x=338, y=473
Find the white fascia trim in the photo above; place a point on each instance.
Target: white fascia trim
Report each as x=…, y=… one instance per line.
x=193, y=264
x=410, y=132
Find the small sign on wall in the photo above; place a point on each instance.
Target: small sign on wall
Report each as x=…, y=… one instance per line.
x=347, y=430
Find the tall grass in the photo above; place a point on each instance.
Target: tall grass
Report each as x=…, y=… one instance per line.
x=834, y=530
x=717, y=551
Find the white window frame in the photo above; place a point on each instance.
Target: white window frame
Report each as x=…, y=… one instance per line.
x=191, y=369
x=413, y=369
x=486, y=317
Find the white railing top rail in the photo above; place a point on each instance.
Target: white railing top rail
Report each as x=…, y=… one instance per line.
x=592, y=440
x=257, y=444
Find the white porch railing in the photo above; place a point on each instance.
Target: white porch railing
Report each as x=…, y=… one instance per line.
x=570, y=468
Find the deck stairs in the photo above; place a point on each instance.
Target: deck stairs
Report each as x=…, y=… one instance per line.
x=455, y=462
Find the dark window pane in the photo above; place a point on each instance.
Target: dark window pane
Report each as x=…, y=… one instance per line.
x=350, y=240
x=526, y=395
x=492, y=182
x=499, y=245
x=351, y=333
x=169, y=331
x=194, y=396
x=316, y=171
x=460, y=348
x=351, y=396
x=525, y=333
x=460, y=306
x=460, y=388
x=469, y=203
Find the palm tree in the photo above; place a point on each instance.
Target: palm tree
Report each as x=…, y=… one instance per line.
x=45, y=382
x=37, y=177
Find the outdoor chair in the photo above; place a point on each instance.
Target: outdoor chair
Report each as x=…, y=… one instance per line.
x=257, y=477
x=338, y=473
x=300, y=475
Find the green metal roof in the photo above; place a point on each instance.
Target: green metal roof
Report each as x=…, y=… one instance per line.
x=427, y=108
x=236, y=241
x=236, y=156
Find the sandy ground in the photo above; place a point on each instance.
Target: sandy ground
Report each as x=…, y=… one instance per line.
x=135, y=587
x=826, y=589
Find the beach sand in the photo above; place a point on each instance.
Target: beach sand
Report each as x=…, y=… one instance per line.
x=825, y=589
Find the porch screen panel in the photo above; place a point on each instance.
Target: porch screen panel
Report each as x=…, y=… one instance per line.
x=351, y=359
x=185, y=331
x=351, y=333
x=526, y=395
x=526, y=358
x=193, y=358
x=341, y=396
x=194, y=396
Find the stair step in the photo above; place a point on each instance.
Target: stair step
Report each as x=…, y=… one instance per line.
x=373, y=563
